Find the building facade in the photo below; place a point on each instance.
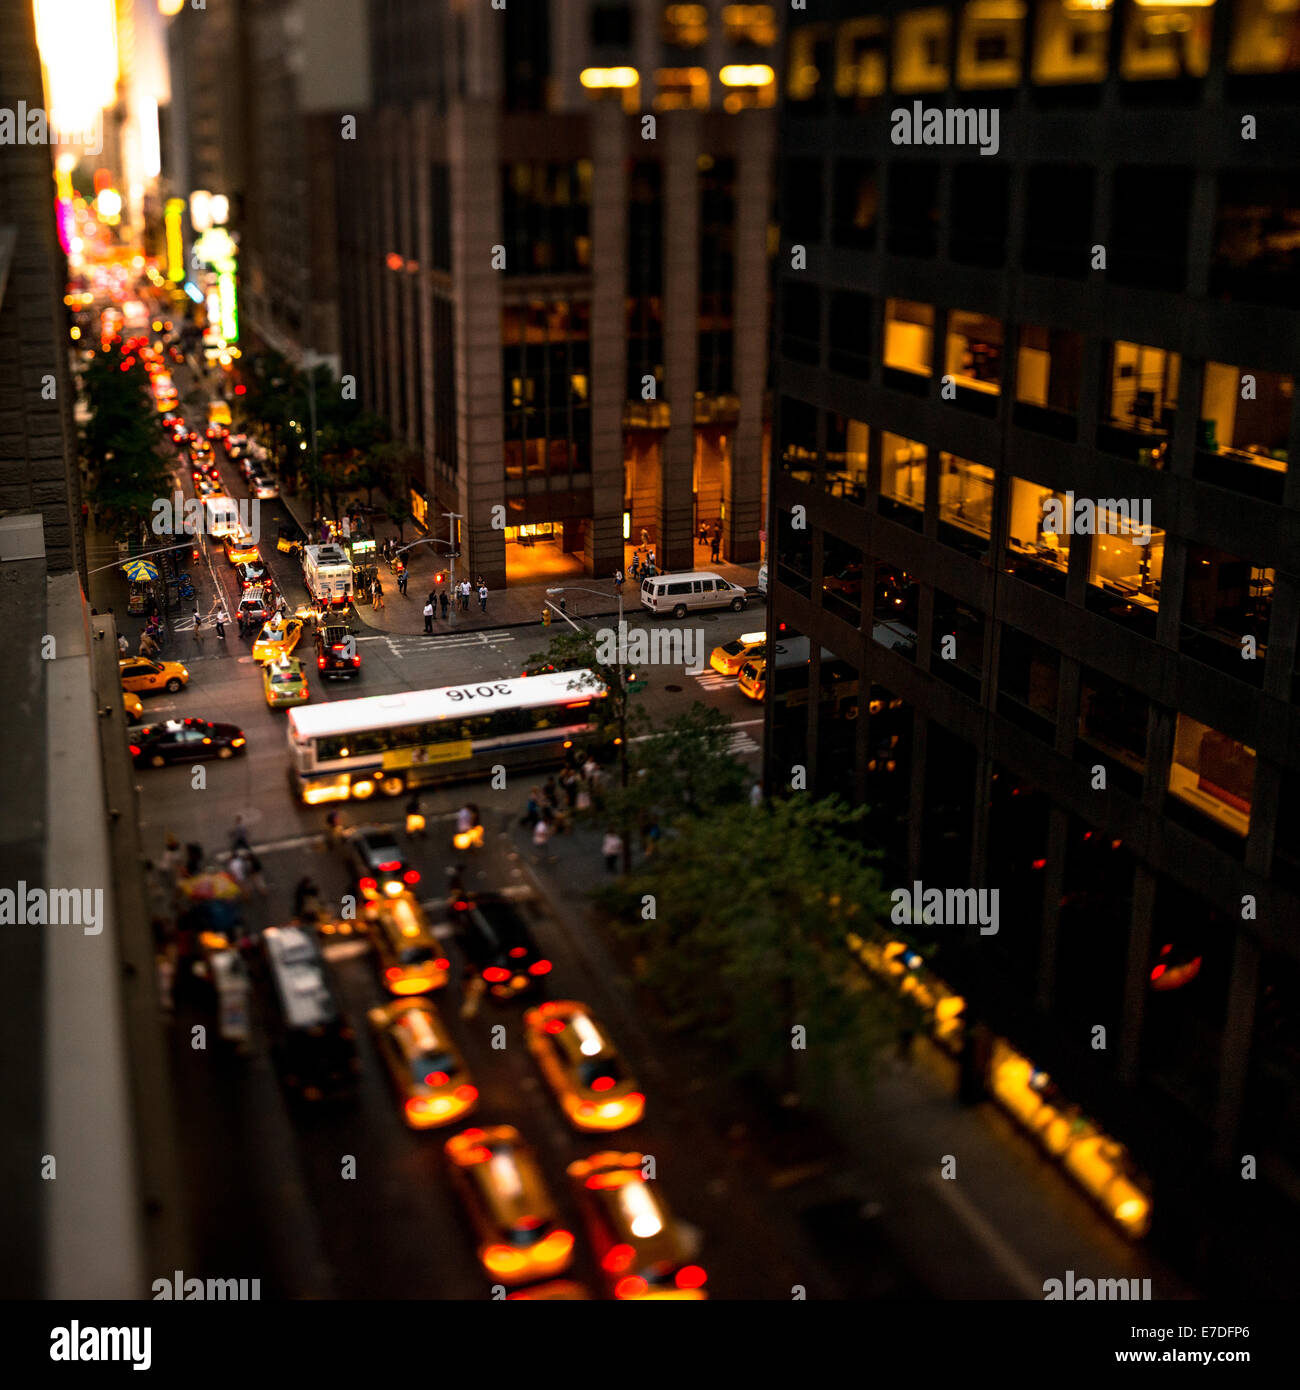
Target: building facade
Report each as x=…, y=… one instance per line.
x=554, y=269
x=1086, y=293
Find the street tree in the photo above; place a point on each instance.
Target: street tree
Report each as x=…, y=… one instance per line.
x=746, y=943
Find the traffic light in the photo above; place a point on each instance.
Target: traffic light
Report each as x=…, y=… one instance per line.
x=440, y=577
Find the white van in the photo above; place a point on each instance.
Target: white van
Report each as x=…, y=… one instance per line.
x=680, y=594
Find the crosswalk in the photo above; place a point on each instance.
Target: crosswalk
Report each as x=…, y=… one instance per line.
x=713, y=680
x=740, y=745
x=404, y=644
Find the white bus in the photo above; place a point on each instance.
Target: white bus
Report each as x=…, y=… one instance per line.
x=389, y=743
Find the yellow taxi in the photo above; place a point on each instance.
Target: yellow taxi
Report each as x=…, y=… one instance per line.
x=423, y=1062
x=753, y=678
x=731, y=656
x=133, y=707
x=580, y=1063
x=142, y=674
x=556, y=1291
x=240, y=549
x=285, y=683
x=410, y=958
x=517, y=1229
x=643, y=1253
x=277, y=639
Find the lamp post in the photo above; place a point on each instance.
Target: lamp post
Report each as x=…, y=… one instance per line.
x=452, y=519
x=622, y=700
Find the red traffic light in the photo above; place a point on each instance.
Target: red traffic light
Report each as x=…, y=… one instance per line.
x=241, y=389
x=440, y=578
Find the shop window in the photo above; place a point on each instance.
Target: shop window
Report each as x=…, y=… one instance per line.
x=1265, y=36
x=1113, y=730
x=902, y=479
x=686, y=26
x=808, y=66
x=1244, y=428
x=973, y=358
x=1029, y=678
x=797, y=432
x=978, y=223
x=1058, y=220
x=1049, y=363
x=681, y=89
x=1039, y=556
x=1257, y=238
x=842, y=579
x=957, y=643
x=754, y=24
x=801, y=322
x=846, y=458
x=1150, y=214
x=913, y=228
x=1141, y=402
x=1214, y=773
x=861, y=53
x=1163, y=41
x=1070, y=42
x=856, y=204
x=921, y=51
x=896, y=601
x=988, y=52
x=850, y=333
x=1227, y=603
x=909, y=338
x=1126, y=562
x=965, y=504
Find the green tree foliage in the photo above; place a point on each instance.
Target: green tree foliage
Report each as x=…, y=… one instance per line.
x=122, y=442
x=686, y=768
x=752, y=906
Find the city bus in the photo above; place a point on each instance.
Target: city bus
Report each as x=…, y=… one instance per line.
x=345, y=749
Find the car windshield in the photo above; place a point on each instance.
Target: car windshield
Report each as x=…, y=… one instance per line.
x=734, y=648
x=285, y=678
x=381, y=851
x=415, y=955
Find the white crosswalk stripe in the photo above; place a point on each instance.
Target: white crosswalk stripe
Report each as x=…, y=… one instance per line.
x=741, y=744
x=714, y=680
x=406, y=643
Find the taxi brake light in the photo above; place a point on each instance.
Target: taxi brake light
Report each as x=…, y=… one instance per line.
x=540, y=967
x=436, y=1078
x=411, y=876
x=368, y=883
x=630, y=1287
x=467, y=1093
x=442, y=963
x=617, y=1258
x=393, y=972
x=517, y=951
x=494, y=974
x=691, y=1277
x=135, y=751
x=602, y=1083
x=554, y=1025
x=391, y=867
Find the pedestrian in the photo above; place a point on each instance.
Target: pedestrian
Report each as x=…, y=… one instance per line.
x=123, y=646
x=256, y=874
x=306, y=899
x=550, y=793
x=222, y=620
x=464, y=596
x=618, y=581
x=401, y=583
x=243, y=623
x=239, y=835
x=281, y=607
x=541, y=836
x=428, y=618
x=193, y=859
x=715, y=546
x=612, y=848
x=756, y=795
x=645, y=536
x=584, y=802
x=534, y=807
x=442, y=599
x=636, y=568
x=482, y=597
x=198, y=629
x=415, y=818
x=148, y=647
x=378, y=596
x=172, y=859
x=651, y=560
x=569, y=783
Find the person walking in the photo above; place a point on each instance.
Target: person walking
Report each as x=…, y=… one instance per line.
x=198, y=629
x=464, y=596
x=148, y=647
x=377, y=594
x=612, y=848
x=239, y=835
x=123, y=646
x=401, y=583
x=482, y=597
x=541, y=837
x=222, y=620
x=428, y=619
x=715, y=544
x=618, y=581
x=281, y=607
x=442, y=599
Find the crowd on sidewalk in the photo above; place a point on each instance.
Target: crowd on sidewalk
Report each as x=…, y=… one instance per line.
x=577, y=794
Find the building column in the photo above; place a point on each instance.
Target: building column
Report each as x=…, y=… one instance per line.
x=743, y=470
x=674, y=543
x=475, y=226
x=603, y=550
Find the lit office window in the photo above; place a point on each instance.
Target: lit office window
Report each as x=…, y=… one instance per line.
x=1128, y=559
x=1163, y=40
x=860, y=58
x=1143, y=394
x=909, y=335
x=974, y=352
x=1034, y=553
x=1213, y=772
x=902, y=479
x=1265, y=36
x=622, y=85
x=965, y=504
x=921, y=51
x=681, y=89
x=749, y=24
x=992, y=38
x=1070, y=41
x=1245, y=423
x=686, y=26
x=1227, y=605
x=808, y=63
x=846, y=457
x=1048, y=370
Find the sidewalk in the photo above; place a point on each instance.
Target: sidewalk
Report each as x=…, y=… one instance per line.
x=520, y=605
x=1003, y=1226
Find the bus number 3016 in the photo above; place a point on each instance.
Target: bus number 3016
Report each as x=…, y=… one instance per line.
x=483, y=690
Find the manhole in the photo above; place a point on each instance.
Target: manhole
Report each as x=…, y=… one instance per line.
x=673, y=689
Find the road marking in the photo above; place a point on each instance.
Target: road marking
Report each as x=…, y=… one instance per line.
x=1004, y=1256
x=423, y=642
x=345, y=950
x=742, y=744
x=713, y=680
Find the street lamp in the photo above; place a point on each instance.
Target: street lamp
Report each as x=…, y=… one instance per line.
x=622, y=700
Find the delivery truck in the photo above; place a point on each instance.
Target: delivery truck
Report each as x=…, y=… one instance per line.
x=327, y=573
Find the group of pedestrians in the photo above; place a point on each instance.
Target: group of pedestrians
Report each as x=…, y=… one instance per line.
x=553, y=806
x=440, y=604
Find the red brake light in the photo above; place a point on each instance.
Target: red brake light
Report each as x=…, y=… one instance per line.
x=602, y=1083
x=460, y=906
x=630, y=1287
x=320, y=661
x=691, y=1277
x=391, y=867
x=393, y=973
x=135, y=752
x=436, y=1078
x=554, y=1025
x=411, y=876
x=442, y=963
x=540, y=967
x=467, y=1093
x=617, y=1258
x=494, y=974
x=517, y=951
x=368, y=883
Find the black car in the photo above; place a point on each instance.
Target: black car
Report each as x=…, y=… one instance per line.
x=495, y=940
x=336, y=652
x=184, y=740
x=376, y=862
x=252, y=574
